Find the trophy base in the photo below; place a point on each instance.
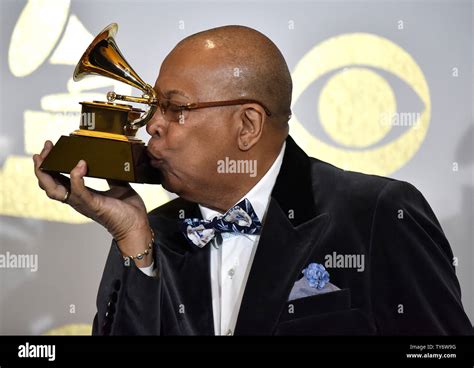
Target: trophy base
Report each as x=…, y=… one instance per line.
x=106, y=158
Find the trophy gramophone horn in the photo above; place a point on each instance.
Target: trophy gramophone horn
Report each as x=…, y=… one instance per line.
x=103, y=57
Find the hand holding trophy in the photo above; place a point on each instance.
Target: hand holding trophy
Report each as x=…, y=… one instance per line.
x=105, y=146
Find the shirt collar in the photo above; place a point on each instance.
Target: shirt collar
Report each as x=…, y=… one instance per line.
x=259, y=195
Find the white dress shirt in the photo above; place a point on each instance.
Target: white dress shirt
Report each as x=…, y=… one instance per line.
x=232, y=260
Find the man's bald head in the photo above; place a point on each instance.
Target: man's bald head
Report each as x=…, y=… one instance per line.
x=256, y=68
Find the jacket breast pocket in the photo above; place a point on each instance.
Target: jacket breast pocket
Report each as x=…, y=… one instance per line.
x=324, y=314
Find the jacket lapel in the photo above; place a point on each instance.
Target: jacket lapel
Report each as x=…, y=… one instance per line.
x=292, y=228
x=188, y=278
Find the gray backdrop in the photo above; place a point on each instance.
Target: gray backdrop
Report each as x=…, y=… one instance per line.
x=71, y=255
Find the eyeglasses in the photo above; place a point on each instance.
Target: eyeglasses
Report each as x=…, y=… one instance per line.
x=175, y=112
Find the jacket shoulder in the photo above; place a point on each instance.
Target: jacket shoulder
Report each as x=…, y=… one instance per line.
x=335, y=183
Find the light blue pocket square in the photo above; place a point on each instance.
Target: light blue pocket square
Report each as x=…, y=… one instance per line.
x=315, y=281
x=301, y=289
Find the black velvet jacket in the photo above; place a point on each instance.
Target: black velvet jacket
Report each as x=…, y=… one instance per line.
x=408, y=286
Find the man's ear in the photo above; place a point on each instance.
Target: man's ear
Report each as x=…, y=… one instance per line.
x=252, y=117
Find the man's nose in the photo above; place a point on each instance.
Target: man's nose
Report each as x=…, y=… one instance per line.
x=157, y=124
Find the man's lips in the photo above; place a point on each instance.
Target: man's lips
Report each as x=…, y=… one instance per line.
x=152, y=156
x=155, y=160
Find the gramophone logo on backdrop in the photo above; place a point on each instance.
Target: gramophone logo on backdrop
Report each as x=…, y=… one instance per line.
x=46, y=32
x=354, y=120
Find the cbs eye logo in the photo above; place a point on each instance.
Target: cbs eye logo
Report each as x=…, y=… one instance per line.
x=357, y=107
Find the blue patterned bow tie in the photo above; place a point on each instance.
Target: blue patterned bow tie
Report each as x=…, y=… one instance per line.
x=240, y=219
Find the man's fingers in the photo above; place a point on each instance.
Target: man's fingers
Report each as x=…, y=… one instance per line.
x=78, y=190
x=53, y=188
x=59, y=187
x=44, y=179
x=48, y=146
x=38, y=159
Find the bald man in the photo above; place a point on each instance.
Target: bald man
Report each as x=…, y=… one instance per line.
x=262, y=239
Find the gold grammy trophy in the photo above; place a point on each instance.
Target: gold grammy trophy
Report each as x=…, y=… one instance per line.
x=106, y=135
